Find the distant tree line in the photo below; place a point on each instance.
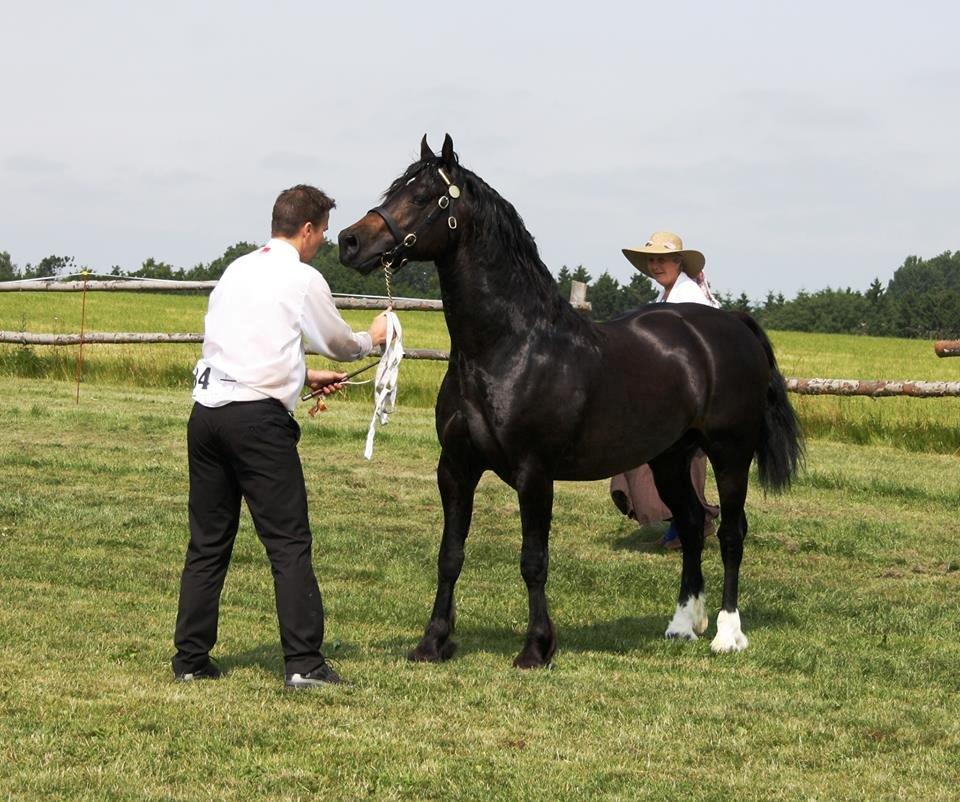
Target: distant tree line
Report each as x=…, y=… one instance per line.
x=922, y=300
x=417, y=280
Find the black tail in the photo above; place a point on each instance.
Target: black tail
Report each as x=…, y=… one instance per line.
x=781, y=450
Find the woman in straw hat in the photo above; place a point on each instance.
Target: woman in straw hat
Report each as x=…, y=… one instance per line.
x=679, y=272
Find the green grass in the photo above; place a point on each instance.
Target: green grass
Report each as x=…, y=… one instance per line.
x=169, y=365
x=930, y=424
x=60, y=312
x=848, y=690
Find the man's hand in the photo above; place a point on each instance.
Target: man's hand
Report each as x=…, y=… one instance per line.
x=328, y=381
x=378, y=329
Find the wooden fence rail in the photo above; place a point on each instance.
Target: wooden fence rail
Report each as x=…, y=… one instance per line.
x=578, y=292
x=844, y=387
x=129, y=337
x=872, y=389
x=375, y=302
x=106, y=285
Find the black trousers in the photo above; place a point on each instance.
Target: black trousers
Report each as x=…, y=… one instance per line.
x=247, y=450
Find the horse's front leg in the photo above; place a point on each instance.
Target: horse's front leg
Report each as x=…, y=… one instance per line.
x=457, y=481
x=535, y=491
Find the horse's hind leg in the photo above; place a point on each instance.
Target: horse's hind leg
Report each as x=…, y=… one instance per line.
x=457, y=480
x=535, y=492
x=732, y=479
x=671, y=472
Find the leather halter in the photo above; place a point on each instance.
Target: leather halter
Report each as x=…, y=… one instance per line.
x=403, y=243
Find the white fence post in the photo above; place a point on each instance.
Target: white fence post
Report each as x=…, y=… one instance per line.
x=578, y=296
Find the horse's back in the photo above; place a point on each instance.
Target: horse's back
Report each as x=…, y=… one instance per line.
x=667, y=369
x=609, y=399
x=695, y=331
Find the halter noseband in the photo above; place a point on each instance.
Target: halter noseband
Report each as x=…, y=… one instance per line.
x=404, y=243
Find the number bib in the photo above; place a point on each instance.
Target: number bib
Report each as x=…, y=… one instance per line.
x=211, y=386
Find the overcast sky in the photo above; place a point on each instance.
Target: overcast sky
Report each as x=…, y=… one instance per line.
x=797, y=144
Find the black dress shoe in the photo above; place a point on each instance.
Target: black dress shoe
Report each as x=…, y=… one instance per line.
x=210, y=671
x=321, y=675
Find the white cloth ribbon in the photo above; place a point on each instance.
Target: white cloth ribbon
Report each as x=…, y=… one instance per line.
x=385, y=382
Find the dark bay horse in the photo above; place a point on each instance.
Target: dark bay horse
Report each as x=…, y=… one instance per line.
x=537, y=393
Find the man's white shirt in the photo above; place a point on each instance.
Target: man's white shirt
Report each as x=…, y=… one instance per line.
x=265, y=310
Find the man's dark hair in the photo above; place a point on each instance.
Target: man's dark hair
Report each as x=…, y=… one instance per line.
x=298, y=205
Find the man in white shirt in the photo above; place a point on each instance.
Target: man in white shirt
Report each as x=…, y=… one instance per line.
x=242, y=438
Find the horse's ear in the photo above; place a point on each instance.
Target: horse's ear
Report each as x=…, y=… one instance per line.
x=449, y=157
x=425, y=152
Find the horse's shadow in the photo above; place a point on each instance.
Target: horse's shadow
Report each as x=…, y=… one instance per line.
x=647, y=539
x=644, y=538
x=628, y=634
x=636, y=635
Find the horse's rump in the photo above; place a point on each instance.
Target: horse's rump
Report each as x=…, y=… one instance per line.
x=666, y=373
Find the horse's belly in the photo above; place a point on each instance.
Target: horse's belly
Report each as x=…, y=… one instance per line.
x=590, y=467
x=618, y=446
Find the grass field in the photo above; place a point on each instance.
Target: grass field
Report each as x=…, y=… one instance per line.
x=168, y=365
x=848, y=690
x=930, y=424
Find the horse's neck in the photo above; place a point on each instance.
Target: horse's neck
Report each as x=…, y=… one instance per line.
x=486, y=303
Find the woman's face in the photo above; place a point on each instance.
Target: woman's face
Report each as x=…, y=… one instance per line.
x=664, y=269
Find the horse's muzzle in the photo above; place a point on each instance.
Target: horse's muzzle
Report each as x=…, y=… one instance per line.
x=361, y=248
x=350, y=254
x=349, y=247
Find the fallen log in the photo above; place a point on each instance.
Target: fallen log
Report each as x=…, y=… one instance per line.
x=947, y=348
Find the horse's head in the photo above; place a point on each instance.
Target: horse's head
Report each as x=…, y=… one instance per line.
x=416, y=220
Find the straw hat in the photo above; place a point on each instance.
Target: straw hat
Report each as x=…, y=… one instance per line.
x=665, y=242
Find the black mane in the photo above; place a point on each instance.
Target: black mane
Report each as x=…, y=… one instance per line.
x=411, y=172
x=496, y=221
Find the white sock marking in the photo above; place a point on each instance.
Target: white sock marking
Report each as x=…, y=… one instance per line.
x=690, y=619
x=730, y=637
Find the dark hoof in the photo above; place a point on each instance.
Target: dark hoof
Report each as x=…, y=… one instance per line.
x=431, y=653
x=528, y=660
x=536, y=655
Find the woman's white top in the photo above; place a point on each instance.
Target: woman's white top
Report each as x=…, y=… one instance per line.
x=685, y=290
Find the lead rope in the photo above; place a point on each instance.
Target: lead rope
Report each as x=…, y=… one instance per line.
x=387, y=276
x=385, y=382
